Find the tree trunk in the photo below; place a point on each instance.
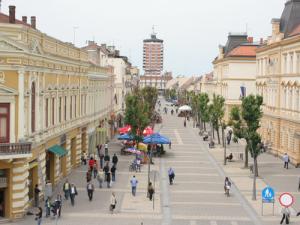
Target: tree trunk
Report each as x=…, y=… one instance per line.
x=218, y=135
x=254, y=179
x=246, y=157
x=256, y=168
x=204, y=126
x=213, y=131
x=223, y=143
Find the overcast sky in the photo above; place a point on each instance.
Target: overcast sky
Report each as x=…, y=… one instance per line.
x=191, y=29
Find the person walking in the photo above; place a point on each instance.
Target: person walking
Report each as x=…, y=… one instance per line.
x=106, y=159
x=108, y=179
x=101, y=156
x=106, y=170
x=184, y=123
x=47, y=207
x=115, y=160
x=113, y=173
x=113, y=202
x=138, y=165
x=95, y=170
x=299, y=185
x=171, y=174
x=150, y=191
x=58, y=204
x=133, y=183
x=285, y=215
x=91, y=163
x=73, y=193
x=90, y=190
x=39, y=215
x=227, y=186
x=100, y=178
x=88, y=175
x=106, y=148
x=286, y=161
x=36, y=195
x=66, y=189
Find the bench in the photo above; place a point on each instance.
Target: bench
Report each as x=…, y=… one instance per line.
x=238, y=155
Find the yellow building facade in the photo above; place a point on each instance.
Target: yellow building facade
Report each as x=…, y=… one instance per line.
x=54, y=105
x=278, y=81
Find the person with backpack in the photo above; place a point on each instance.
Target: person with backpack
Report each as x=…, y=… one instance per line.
x=90, y=190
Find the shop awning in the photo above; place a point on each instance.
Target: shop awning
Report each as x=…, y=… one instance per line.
x=58, y=150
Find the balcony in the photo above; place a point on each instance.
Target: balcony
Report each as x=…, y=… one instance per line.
x=15, y=150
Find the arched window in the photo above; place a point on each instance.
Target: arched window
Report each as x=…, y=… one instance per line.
x=33, y=107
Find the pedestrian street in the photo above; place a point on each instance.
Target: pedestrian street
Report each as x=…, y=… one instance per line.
x=196, y=197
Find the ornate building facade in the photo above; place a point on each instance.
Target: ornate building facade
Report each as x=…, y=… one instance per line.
x=54, y=105
x=278, y=81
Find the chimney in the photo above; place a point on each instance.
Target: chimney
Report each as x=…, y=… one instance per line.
x=24, y=19
x=250, y=39
x=275, y=26
x=12, y=14
x=33, y=22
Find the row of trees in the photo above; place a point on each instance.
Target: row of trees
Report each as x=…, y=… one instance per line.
x=140, y=108
x=244, y=119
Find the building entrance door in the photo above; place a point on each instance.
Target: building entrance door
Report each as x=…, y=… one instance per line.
x=2, y=202
x=73, y=152
x=50, y=159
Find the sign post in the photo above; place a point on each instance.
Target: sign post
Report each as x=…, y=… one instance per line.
x=267, y=196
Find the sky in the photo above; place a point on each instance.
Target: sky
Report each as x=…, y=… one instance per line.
x=192, y=30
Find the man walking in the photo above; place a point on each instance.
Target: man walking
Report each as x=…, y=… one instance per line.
x=100, y=178
x=66, y=189
x=90, y=190
x=113, y=173
x=73, y=193
x=285, y=215
x=101, y=156
x=286, y=161
x=171, y=174
x=133, y=183
x=36, y=195
x=115, y=160
x=150, y=191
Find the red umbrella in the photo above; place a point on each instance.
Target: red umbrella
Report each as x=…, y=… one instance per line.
x=147, y=131
x=124, y=130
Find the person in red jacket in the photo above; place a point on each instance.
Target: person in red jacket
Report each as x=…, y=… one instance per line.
x=91, y=163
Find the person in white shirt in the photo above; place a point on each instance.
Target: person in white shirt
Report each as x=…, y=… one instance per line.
x=286, y=160
x=113, y=202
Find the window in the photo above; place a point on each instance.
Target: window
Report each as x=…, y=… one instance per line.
x=59, y=109
x=71, y=106
x=65, y=108
x=4, y=122
x=53, y=111
x=33, y=107
x=75, y=105
x=47, y=112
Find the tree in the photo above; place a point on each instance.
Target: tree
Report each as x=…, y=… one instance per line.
x=246, y=122
x=149, y=95
x=203, y=109
x=137, y=115
x=216, y=111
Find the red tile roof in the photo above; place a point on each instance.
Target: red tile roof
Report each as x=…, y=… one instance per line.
x=296, y=31
x=244, y=51
x=5, y=19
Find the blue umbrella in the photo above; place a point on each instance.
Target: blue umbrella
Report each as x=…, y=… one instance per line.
x=156, y=138
x=126, y=137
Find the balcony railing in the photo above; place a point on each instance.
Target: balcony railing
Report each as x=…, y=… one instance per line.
x=15, y=149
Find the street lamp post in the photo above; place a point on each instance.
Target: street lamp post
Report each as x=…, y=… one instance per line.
x=224, y=141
